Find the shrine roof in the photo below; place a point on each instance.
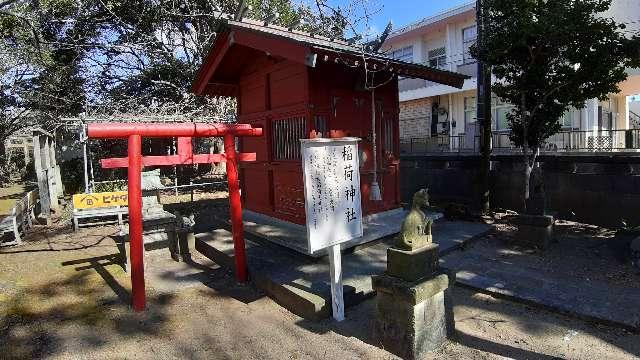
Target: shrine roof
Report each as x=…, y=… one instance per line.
x=306, y=48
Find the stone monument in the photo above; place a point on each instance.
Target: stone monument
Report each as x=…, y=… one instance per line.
x=413, y=317
x=159, y=225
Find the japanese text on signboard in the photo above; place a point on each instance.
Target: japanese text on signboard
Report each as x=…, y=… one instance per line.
x=100, y=200
x=332, y=192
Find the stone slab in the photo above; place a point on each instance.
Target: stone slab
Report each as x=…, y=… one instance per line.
x=593, y=300
x=294, y=236
x=301, y=283
x=411, y=265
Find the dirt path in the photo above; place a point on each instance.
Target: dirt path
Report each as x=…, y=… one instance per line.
x=64, y=295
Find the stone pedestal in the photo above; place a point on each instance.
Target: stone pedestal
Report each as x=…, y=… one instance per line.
x=412, y=315
x=412, y=265
x=159, y=231
x=534, y=230
x=186, y=237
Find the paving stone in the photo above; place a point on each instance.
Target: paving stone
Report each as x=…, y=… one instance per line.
x=593, y=300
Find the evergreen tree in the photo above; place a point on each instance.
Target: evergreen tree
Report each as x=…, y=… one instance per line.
x=549, y=56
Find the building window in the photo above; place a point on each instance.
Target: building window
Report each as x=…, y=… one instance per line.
x=566, y=121
x=500, y=111
x=469, y=111
x=438, y=58
x=405, y=54
x=286, y=137
x=469, y=36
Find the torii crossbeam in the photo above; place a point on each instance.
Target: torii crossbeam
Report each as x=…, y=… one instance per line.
x=134, y=132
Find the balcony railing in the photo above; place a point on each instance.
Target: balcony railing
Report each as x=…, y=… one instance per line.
x=634, y=119
x=564, y=141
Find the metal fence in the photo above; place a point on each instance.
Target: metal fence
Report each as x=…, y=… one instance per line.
x=564, y=141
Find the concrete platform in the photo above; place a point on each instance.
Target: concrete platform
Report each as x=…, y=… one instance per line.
x=294, y=236
x=301, y=283
x=596, y=301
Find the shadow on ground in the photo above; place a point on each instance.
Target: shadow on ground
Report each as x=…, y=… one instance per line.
x=33, y=317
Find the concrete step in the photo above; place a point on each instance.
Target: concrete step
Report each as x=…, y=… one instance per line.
x=297, y=283
x=301, y=283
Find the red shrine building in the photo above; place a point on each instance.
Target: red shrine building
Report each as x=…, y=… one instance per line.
x=298, y=86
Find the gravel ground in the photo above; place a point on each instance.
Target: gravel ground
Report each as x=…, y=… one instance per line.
x=64, y=296
x=582, y=252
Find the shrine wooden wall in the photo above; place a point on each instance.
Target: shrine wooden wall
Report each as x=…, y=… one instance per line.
x=292, y=101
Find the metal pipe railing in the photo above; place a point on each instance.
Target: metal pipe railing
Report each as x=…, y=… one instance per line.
x=564, y=141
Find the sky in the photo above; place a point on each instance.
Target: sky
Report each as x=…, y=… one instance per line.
x=404, y=12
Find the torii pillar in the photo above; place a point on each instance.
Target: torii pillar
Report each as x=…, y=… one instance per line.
x=134, y=132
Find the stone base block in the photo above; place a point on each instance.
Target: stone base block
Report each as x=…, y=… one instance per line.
x=160, y=232
x=412, y=265
x=534, y=230
x=411, y=317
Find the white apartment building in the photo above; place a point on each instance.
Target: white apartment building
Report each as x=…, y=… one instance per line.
x=439, y=117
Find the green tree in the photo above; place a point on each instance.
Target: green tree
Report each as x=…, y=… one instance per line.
x=39, y=73
x=549, y=56
x=64, y=57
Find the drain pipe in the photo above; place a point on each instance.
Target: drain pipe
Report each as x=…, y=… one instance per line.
x=375, y=194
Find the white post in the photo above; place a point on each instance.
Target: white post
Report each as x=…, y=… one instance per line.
x=335, y=270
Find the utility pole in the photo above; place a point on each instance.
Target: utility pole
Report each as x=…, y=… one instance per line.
x=483, y=110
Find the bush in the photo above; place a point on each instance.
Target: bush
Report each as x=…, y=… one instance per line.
x=115, y=185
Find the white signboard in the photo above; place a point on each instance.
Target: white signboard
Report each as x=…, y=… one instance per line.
x=332, y=191
x=332, y=203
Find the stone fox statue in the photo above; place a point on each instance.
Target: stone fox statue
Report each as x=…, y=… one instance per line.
x=416, y=227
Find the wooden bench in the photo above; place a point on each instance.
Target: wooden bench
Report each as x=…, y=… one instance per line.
x=99, y=205
x=20, y=219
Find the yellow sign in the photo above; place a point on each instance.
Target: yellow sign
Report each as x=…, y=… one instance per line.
x=100, y=200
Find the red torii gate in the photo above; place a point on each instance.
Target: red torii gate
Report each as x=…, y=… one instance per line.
x=134, y=132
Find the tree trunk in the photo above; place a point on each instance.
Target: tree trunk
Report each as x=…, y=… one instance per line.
x=3, y=150
x=527, y=172
x=525, y=149
x=3, y=162
x=527, y=178
x=529, y=163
